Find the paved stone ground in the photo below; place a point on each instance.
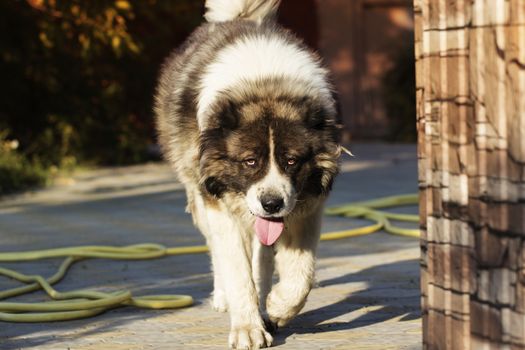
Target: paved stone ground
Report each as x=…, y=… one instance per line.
x=367, y=295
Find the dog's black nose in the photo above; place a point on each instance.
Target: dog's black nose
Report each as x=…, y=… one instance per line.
x=272, y=204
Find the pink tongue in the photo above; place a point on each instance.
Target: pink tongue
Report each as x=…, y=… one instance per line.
x=268, y=230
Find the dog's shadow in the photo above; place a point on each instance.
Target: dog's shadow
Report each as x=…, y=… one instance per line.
x=392, y=291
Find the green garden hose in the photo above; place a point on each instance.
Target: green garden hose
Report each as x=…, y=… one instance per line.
x=86, y=303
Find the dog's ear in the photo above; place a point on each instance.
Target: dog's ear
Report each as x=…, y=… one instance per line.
x=229, y=117
x=225, y=116
x=323, y=174
x=212, y=165
x=322, y=115
x=214, y=186
x=314, y=113
x=316, y=119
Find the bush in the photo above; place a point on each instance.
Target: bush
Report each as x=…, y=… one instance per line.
x=16, y=172
x=78, y=76
x=78, y=79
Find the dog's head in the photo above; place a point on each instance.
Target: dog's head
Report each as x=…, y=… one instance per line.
x=272, y=150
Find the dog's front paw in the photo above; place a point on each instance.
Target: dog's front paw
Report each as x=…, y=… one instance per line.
x=282, y=309
x=250, y=337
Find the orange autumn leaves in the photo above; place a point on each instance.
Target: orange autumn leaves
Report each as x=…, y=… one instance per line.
x=90, y=24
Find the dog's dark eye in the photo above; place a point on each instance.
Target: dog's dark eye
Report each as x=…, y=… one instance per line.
x=291, y=161
x=250, y=162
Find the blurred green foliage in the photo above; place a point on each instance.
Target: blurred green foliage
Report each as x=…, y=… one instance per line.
x=78, y=77
x=16, y=171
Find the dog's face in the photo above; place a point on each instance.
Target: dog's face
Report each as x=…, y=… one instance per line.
x=273, y=153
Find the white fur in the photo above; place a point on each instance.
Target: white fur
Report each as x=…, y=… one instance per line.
x=274, y=182
x=234, y=288
x=262, y=271
x=257, y=57
x=200, y=219
x=243, y=267
x=243, y=270
x=295, y=264
x=228, y=10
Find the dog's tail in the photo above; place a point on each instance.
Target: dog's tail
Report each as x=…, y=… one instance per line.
x=229, y=10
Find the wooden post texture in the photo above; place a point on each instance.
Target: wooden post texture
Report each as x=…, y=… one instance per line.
x=471, y=125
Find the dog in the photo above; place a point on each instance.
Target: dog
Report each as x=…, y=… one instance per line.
x=246, y=115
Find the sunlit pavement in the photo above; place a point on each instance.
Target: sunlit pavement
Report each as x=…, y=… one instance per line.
x=367, y=292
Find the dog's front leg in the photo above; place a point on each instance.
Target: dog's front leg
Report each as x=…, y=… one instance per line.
x=295, y=264
x=233, y=253
x=262, y=271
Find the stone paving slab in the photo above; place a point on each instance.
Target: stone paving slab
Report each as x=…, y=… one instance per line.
x=367, y=293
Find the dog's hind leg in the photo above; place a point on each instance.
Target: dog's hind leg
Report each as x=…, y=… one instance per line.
x=219, y=302
x=198, y=210
x=295, y=264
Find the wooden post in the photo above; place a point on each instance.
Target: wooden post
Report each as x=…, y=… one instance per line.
x=471, y=125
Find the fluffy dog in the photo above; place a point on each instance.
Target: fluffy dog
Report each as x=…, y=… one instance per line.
x=245, y=114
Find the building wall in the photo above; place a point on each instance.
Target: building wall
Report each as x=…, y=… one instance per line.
x=360, y=41
x=471, y=123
